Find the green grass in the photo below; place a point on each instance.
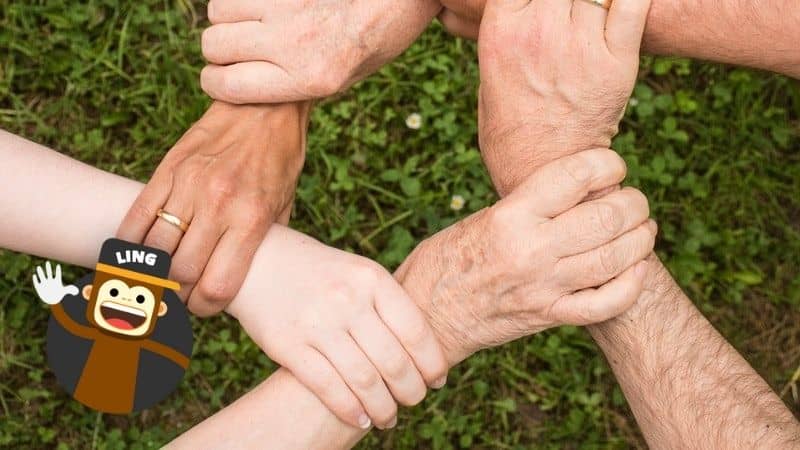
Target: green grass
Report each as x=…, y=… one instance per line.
x=114, y=84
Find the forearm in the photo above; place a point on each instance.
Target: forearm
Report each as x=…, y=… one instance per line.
x=281, y=412
x=58, y=208
x=756, y=33
x=686, y=385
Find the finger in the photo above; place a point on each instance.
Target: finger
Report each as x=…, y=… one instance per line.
x=229, y=43
x=399, y=312
x=592, y=224
x=220, y=11
x=459, y=26
x=35, y=282
x=390, y=358
x=194, y=250
x=58, y=272
x=250, y=82
x=164, y=235
x=49, y=270
x=565, y=182
x=625, y=27
x=590, y=19
x=362, y=378
x=598, y=305
x=40, y=272
x=142, y=214
x=315, y=372
x=225, y=272
x=597, y=266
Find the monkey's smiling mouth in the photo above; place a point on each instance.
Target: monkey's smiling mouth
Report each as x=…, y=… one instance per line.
x=121, y=316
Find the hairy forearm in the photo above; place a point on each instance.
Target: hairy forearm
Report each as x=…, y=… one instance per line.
x=58, y=208
x=686, y=385
x=756, y=33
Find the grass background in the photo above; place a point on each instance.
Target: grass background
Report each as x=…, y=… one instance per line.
x=114, y=83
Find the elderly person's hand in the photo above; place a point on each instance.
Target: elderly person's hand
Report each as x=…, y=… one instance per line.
x=555, y=76
x=537, y=259
x=228, y=178
x=269, y=51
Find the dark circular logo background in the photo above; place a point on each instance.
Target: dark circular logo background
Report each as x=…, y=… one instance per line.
x=157, y=376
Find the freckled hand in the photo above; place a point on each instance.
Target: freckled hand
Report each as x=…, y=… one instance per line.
x=49, y=287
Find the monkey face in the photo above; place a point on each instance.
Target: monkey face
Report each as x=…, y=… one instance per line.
x=126, y=310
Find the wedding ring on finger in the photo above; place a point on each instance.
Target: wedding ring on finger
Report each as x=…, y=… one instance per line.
x=605, y=4
x=172, y=220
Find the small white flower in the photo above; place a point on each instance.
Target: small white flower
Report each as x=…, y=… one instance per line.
x=414, y=121
x=457, y=203
x=633, y=101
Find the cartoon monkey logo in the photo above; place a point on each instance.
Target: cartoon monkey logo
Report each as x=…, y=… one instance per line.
x=125, y=342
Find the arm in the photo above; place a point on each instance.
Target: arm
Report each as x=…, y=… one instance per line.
x=451, y=292
x=76, y=207
x=230, y=177
x=70, y=325
x=756, y=33
x=687, y=387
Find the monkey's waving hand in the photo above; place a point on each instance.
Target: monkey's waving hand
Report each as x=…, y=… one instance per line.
x=49, y=287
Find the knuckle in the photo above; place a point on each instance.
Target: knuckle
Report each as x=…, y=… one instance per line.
x=324, y=81
x=220, y=190
x=216, y=290
x=365, y=378
x=609, y=260
x=187, y=272
x=367, y=273
x=639, y=199
x=254, y=219
x=501, y=218
x=578, y=168
x=397, y=366
x=609, y=217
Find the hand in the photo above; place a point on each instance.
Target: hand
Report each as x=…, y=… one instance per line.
x=272, y=51
x=555, y=75
x=343, y=326
x=537, y=259
x=230, y=176
x=50, y=288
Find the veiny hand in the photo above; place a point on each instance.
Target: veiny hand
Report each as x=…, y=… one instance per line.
x=230, y=176
x=49, y=287
x=271, y=51
x=555, y=75
x=537, y=259
x=344, y=327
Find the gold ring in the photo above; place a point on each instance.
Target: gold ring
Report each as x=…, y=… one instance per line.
x=605, y=4
x=172, y=220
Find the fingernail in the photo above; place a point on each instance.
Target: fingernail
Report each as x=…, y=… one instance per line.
x=438, y=384
x=641, y=268
x=392, y=423
x=364, y=422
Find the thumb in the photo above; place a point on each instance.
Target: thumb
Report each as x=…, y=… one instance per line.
x=71, y=290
